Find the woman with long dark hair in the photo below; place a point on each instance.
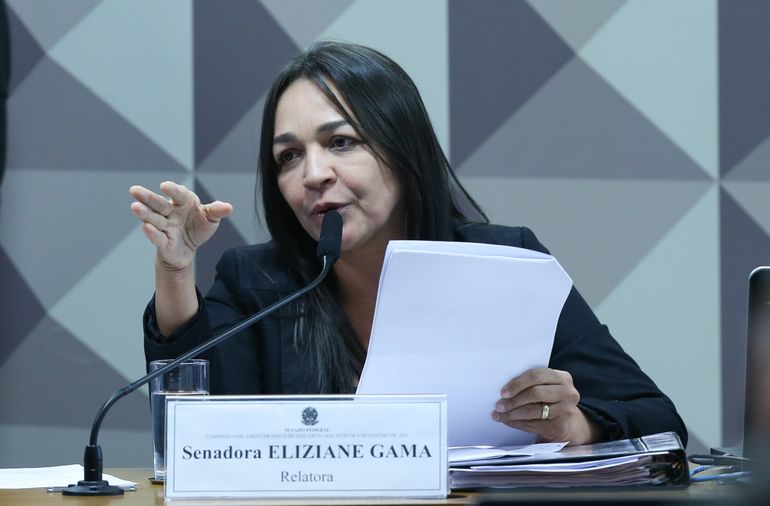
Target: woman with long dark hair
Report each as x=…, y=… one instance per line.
x=344, y=129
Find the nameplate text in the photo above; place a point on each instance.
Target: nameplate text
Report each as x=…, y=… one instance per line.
x=306, y=446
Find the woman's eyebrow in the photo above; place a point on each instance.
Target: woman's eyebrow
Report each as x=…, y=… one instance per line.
x=284, y=138
x=331, y=126
x=326, y=127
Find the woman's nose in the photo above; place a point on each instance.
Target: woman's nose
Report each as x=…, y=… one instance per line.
x=319, y=171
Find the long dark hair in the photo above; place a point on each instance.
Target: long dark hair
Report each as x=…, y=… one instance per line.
x=387, y=112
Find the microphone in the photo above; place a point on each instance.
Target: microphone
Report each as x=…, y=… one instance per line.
x=93, y=482
x=330, y=241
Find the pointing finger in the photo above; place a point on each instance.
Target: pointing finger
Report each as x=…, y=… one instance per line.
x=180, y=194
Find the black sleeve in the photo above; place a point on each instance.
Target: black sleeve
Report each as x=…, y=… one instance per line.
x=235, y=364
x=614, y=391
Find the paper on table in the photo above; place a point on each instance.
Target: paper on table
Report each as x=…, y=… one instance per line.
x=460, y=454
x=463, y=319
x=44, y=477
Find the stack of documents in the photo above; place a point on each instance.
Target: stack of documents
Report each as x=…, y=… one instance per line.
x=650, y=460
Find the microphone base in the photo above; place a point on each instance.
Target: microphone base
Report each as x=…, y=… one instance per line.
x=85, y=487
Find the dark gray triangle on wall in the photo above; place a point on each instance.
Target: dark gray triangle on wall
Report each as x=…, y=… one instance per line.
x=577, y=126
x=238, y=150
x=753, y=167
x=25, y=52
x=744, y=246
x=500, y=53
x=75, y=383
x=20, y=310
x=209, y=254
x=238, y=49
x=57, y=122
x=744, y=79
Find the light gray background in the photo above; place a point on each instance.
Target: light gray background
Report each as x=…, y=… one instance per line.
x=632, y=136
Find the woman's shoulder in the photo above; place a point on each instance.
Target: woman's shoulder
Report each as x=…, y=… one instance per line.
x=257, y=266
x=487, y=233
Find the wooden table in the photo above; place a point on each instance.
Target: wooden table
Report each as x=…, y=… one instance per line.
x=149, y=494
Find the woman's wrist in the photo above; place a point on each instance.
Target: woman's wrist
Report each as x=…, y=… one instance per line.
x=585, y=430
x=175, y=298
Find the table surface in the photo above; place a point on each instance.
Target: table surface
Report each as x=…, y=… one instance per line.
x=149, y=494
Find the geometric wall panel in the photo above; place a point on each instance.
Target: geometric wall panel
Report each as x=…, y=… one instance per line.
x=19, y=303
x=50, y=20
x=754, y=199
x=64, y=445
x=129, y=268
x=163, y=50
x=755, y=166
x=238, y=47
x=316, y=16
x=59, y=123
x=492, y=68
x=579, y=220
x=578, y=112
x=668, y=73
x=25, y=52
x=668, y=307
x=238, y=151
x=70, y=218
x=744, y=79
x=55, y=357
x=576, y=22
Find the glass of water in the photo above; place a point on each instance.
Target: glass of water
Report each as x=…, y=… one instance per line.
x=191, y=377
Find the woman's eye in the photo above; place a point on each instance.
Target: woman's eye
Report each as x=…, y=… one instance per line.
x=341, y=142
x=285, y=157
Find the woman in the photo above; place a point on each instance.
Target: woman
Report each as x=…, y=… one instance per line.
x=344, y=128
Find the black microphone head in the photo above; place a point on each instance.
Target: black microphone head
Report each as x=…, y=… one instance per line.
x=330, y=242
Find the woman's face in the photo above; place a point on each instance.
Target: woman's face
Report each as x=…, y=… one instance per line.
x=323, y=164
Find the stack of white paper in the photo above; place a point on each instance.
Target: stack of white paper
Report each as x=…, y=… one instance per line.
x=656, y=459
x=463, y=319
x=626, y=470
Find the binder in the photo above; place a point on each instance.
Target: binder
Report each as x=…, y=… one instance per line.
x=654, y=460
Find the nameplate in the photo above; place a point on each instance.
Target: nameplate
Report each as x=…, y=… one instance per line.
x=306, y=446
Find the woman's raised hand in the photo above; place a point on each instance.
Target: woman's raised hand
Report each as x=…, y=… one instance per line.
x=177, y=225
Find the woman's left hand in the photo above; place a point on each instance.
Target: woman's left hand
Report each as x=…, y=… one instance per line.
x=544, y=401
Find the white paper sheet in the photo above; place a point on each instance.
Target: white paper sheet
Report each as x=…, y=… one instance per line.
x=45, y=477
x=463, y=319
x=460, y=454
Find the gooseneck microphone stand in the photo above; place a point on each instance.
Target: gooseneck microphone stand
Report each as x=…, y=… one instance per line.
x=93, y=483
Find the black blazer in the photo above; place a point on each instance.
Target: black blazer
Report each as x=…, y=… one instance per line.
x=262, y=360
